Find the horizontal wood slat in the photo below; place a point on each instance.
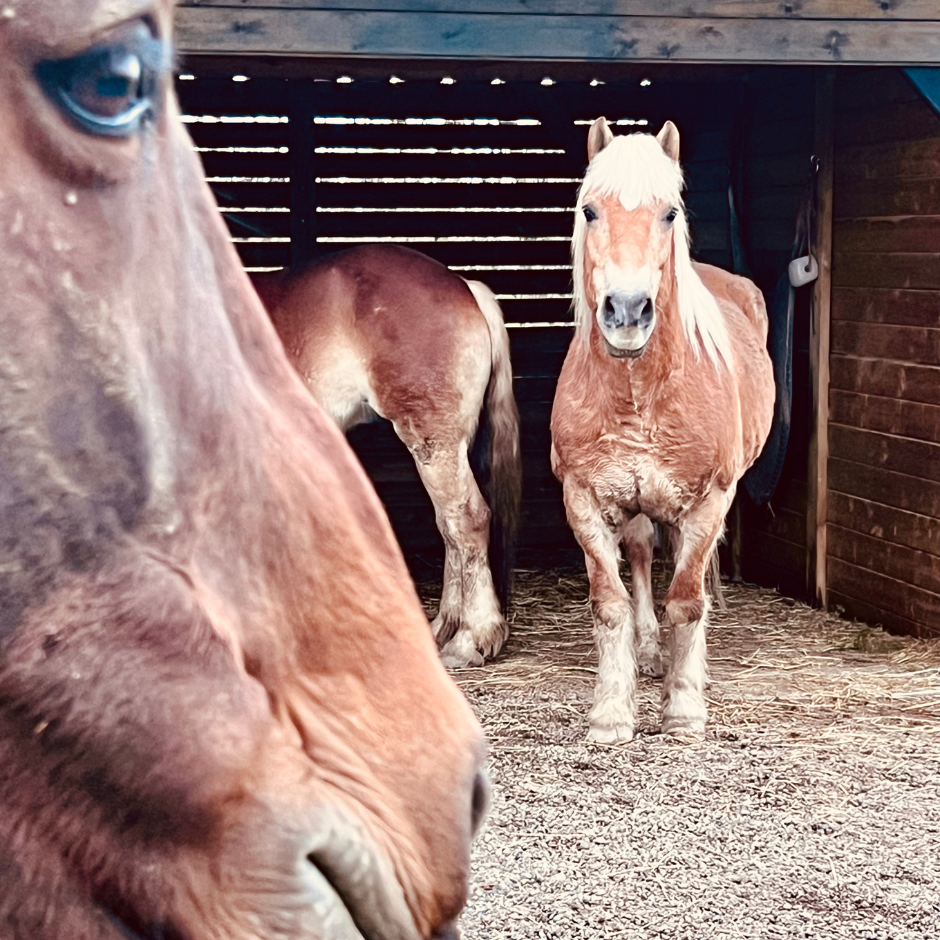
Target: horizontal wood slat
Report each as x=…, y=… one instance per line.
x=719, y=9
x=901, y=307
x=920, y=271
x=878, y=521
x=877, y=485
x=885, y=378
x=920, y=459
x=904, y=343
x=904, y=599
x=887, y=415
x=292, y=31
x=915, y=234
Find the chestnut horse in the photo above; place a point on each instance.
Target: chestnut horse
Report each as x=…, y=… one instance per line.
x=664, y=400
x=383, y=330
x=222, y=713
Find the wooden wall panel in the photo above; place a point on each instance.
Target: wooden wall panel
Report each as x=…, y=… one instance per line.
x=884, y=471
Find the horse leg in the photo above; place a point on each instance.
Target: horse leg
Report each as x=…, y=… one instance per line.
x=684, y=711
x=469, y=626
x=638, y=541
x=613, y=715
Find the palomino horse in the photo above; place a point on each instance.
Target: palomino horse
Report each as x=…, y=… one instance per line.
x=664, y=400
x=388, y=331
x=222, y=713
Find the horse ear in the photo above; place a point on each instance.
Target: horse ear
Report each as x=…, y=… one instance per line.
x=668, y=139
x=599, y=136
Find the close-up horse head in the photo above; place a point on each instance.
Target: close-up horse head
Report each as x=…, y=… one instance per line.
x=631, y=237
x=222, y=712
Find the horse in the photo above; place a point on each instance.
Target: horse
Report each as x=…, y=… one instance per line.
x=384, y=330
x=222, y=712
x=665, y=398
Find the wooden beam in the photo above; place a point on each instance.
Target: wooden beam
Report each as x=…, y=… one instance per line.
x=817, y=471
x=303, y=202
x=590, y=38
x=680, y=9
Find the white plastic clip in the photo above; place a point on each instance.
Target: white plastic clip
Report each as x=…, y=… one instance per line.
x=803, y=270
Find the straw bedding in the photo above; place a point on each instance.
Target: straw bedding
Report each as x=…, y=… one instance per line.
x=811, y=810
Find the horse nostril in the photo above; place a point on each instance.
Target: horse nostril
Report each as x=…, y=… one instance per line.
x=610, y=313
x=646, y=314
x=480, y=801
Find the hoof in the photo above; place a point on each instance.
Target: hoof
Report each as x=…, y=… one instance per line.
x=490, y=639
x=610, y=734
x=460, y=652
x=650, y=663
x=684, y=727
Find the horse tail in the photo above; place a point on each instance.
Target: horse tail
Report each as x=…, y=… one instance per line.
x=502, y=463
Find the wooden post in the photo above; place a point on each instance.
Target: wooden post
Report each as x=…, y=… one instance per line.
x=817, y=472
x=303, y=202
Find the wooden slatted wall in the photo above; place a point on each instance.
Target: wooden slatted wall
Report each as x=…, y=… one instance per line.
x=778, y=136
x=884, y=432
x=481, y=176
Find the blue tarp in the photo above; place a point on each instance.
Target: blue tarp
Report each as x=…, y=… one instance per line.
x=927, y=82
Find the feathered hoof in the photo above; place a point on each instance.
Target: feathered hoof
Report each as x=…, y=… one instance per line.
x=489, y=640
x=460, y=652
x=684, y=727
x=610, y=734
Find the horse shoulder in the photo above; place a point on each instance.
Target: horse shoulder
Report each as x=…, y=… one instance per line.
x=740, y=291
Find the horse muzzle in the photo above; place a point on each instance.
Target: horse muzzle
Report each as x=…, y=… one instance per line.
x=626, y=321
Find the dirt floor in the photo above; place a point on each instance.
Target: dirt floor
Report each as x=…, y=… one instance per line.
x=812, y=810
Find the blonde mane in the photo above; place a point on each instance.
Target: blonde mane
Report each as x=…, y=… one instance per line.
x=636, y=170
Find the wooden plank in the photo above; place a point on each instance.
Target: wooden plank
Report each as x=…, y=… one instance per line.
x=883, y=236
x=886, y=378
x=885, y=341
x=869, y=613
x=817, y=465
x=891, y=160
x=920, y=271
x=911, y=494
x=912, y=603
x=724, y=9
x=893, y=561
x=901, y=307
x=859, y=199
x=287, y=31
x=919, y=459
x=885, y=522
x=887, y=415
x=910, y=121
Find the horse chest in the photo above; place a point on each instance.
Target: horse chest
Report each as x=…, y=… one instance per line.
x=637, y=468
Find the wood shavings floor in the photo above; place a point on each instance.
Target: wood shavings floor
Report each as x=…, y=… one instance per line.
x=812, y=810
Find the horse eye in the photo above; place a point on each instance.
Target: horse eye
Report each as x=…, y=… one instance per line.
x=589, y=213
x=671, y=216
x=109, y=90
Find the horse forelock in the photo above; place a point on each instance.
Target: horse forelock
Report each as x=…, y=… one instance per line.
x=636, y=170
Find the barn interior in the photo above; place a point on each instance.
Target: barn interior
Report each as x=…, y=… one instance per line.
x=477, y=163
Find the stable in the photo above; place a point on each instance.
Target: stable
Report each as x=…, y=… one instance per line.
x=458, y=127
